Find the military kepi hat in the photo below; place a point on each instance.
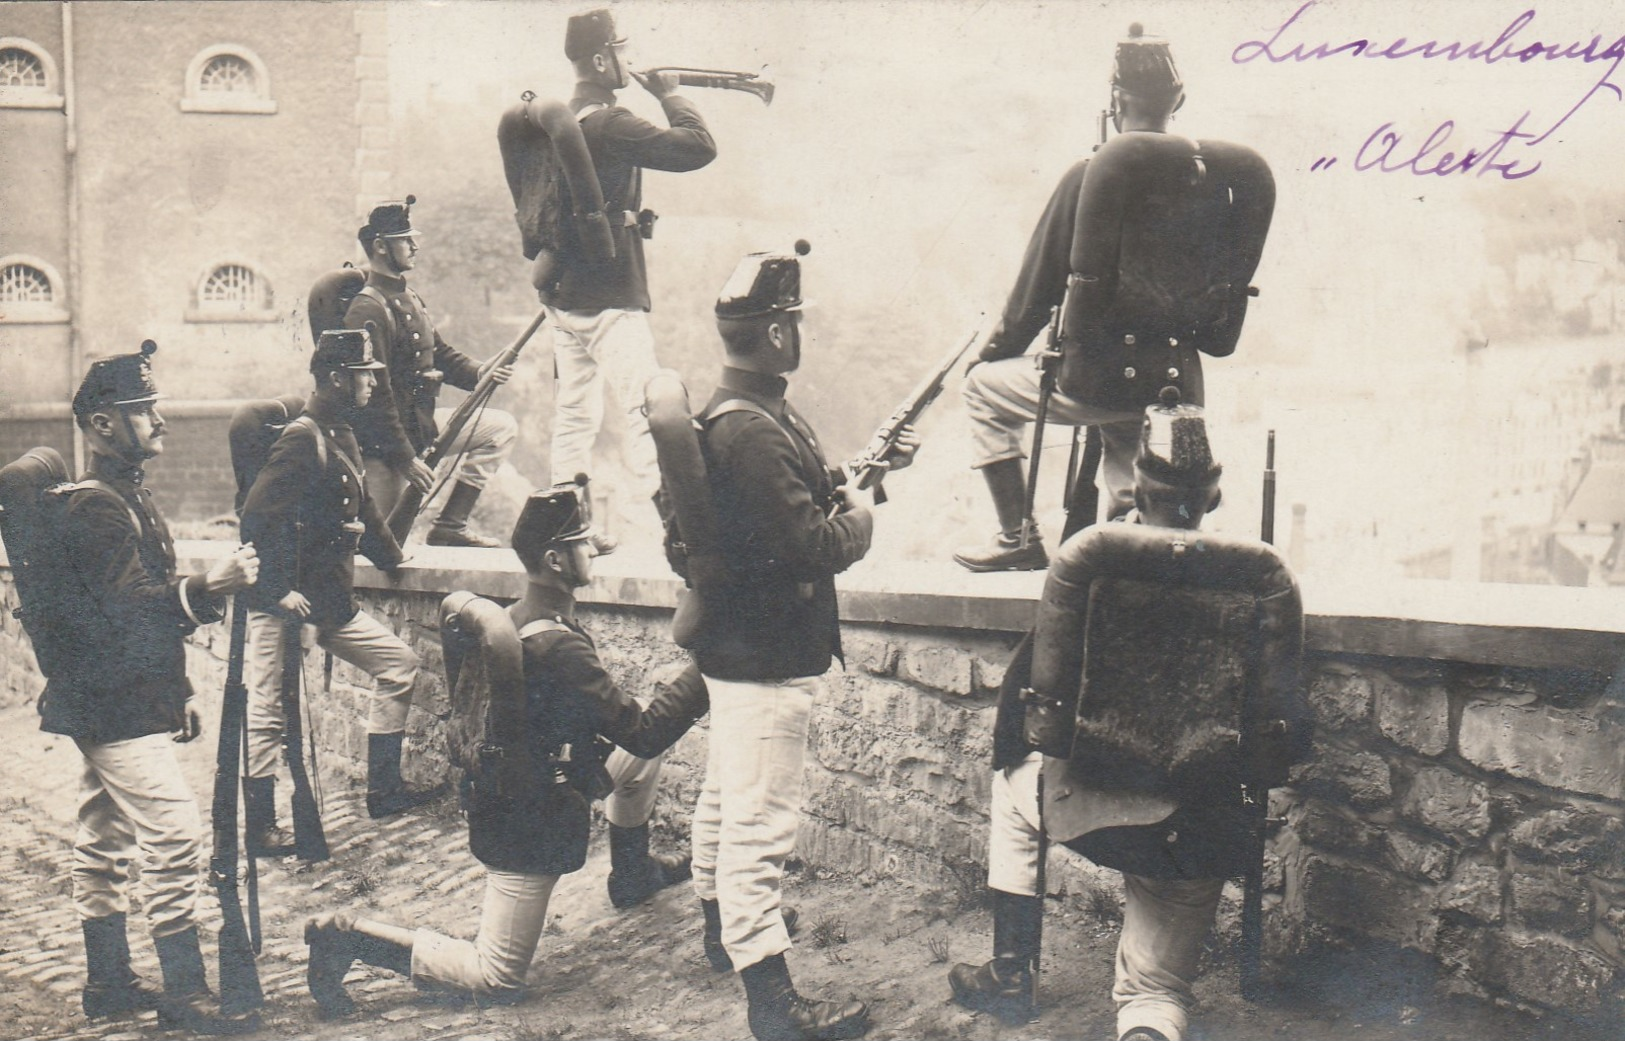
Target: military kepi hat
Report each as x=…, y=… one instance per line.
x=392, y=219
x=343, y=349
x=562, y=513
x=1144, y=65
x=764, y=283
x=590, y=32
x=1174, y=448
x=123, y=379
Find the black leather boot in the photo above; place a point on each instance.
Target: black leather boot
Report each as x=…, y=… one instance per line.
x=261, y=835
x=1004, y=986
x=336, y=941
x=451, y=527
x=186, y=1002
x=717, y=954
x=635, y=874
x=1008, y=486
x=778, y=1013
x=387, y=794
x=111, y=987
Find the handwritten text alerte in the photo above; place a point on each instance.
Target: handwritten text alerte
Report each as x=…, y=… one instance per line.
x=1386, y=149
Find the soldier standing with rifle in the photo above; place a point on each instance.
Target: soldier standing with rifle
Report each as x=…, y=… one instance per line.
x=124, y=699
x=600, y=312
x=769, y=629
x=402, y=421
x=310, y=512
x=1139, y=262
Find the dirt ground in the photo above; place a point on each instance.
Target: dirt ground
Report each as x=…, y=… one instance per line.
x=602, y=973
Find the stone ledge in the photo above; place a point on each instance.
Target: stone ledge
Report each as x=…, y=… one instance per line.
x=1487, y=624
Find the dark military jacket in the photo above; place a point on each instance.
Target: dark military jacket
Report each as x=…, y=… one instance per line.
x=398, y=423
x=622, y=146
x=776, y=618
x=295, y=516
x=570, y=702
x=127, y=678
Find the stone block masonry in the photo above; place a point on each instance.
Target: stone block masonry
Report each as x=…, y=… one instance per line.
x=1464, y=798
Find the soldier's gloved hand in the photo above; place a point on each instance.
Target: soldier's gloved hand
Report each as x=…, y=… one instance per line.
x=295, y=604
x=500, y=374
x=419, y=475
x=191, y=725
x=231, y=573
x=657, y=83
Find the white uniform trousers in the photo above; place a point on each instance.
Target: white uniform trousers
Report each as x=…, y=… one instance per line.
x=591, y=349
x=484, y=444
x=1164, y=921
x=1002, y=398
x=495, y=964
x=750, y=806
x=363, y=641
x=132, y=797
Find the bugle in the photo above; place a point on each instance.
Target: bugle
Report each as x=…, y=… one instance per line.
x=721, y=79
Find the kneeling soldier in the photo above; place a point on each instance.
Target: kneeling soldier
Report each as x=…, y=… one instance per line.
x=310, y=513
x=529, y=824
x=124, y=699
x=1177, y=841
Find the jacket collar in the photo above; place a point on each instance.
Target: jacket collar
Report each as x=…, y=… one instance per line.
x=117, y=472
x=387, y=283
x=552, y=602
x=329, y=413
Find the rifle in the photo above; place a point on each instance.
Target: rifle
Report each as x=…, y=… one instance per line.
x=407, y=506
x=309, y=840
x=1048, y=361
x=240, y=991
x=1255, y=800
x=868, y=467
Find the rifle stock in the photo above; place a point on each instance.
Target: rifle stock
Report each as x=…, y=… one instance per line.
x=1047, y=361
x=868, y=468
x=240, y=990
x=405, y=510
x=309, y=839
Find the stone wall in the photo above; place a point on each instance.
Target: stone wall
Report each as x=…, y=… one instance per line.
x=1466, y=798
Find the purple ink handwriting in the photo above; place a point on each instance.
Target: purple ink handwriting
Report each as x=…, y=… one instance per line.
x=1391, y=150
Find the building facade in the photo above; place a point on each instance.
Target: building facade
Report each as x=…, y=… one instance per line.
x=179, y=172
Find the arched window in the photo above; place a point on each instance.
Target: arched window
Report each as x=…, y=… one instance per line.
x=232, y=291
x=228, y=78
x=27, y=75
x=30, y=291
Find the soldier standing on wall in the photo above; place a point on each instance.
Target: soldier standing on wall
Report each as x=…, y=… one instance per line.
x=1146, y=250
x=310, y=512
x=600, y=312
x=527, y=823
x=401, y=419
x=124, y=699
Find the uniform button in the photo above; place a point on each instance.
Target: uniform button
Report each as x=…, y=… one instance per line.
x=1172, y=342
x=1129, y=339
x=346, y=500
x=1128, y=373
x=1173, y=837
x=345, y=478
x=417, y=336
x=1173, y=374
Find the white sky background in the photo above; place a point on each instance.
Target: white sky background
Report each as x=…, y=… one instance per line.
x=915, y=143
x=914, y=140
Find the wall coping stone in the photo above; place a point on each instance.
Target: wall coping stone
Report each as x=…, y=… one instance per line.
x=1482, y=623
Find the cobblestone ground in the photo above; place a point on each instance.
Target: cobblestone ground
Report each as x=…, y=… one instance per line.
x=637, y=974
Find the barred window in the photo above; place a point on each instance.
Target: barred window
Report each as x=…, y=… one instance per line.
x=20, y=68
x=24, y=284
x=27, y=75
x=227, y=73
x=228, y=78
x=30, y=291
x=232, y=291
